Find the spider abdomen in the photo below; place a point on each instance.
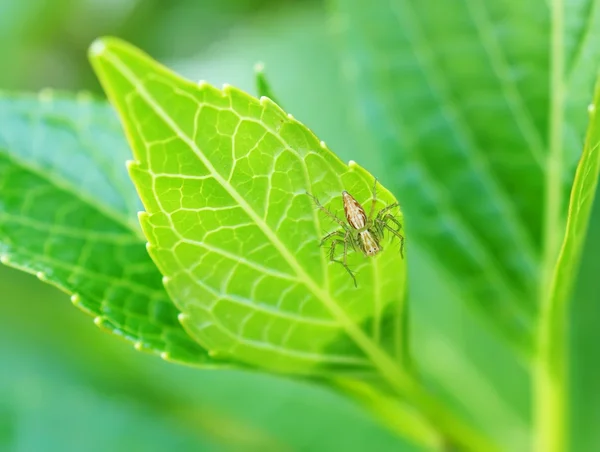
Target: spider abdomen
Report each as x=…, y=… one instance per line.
x=355, y=214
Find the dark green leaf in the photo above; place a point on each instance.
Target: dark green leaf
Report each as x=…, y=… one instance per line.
x=480, y=141
x=68, y=214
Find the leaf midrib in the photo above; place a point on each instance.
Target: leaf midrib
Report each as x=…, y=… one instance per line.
x=554, y=161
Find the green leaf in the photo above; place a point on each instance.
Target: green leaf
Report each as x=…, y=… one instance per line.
x=580, y=206
x=224, y=180
x=68, y=214
x=553, y=360
x=480, y=142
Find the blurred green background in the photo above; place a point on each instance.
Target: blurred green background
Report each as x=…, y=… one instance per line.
x=65, y=385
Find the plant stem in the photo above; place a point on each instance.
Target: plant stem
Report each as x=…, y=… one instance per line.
x=453, y=430
x=549, y=373
x=550, y=378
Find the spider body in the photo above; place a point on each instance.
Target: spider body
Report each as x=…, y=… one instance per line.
x=360, y=231
x=357, y=218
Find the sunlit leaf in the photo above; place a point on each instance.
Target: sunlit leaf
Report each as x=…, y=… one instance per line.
x=223, y=178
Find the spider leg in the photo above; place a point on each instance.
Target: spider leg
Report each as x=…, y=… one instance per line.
x=396, y=232
x=384, y=212
x=332, y=234
x=343, y=262
x=373, y=200
x=393, y=219
x=327, y=212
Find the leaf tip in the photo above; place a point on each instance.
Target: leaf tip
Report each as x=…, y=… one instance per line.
x=105, y=44
x=97, y=48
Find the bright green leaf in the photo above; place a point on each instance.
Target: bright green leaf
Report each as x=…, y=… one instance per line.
x=224, y=178
x=479, y=139
x=580, y=206
x=553, y=340
x=68, y=214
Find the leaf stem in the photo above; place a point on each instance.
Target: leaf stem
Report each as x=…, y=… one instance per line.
x=549, y=373
x=550, y=379
x=453, y=430
x=395, y=414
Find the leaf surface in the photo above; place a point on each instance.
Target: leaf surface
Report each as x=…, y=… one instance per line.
x=223, y=177
x=68, y=214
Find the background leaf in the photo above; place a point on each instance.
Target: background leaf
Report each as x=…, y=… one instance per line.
x=580, y=207
x=68, y=216
x=460, y=108
x=424, y=79
x=223, y=179
x=553, y=361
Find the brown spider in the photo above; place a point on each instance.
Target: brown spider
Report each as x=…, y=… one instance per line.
x=360, y=231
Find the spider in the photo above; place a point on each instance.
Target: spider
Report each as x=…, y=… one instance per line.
x=359, y=231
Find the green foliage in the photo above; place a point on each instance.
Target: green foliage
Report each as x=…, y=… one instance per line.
x=223, y=178
x=580, y=207
x=68, y=216
x=553, y=356
x=473, y=115
x=480, y=141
